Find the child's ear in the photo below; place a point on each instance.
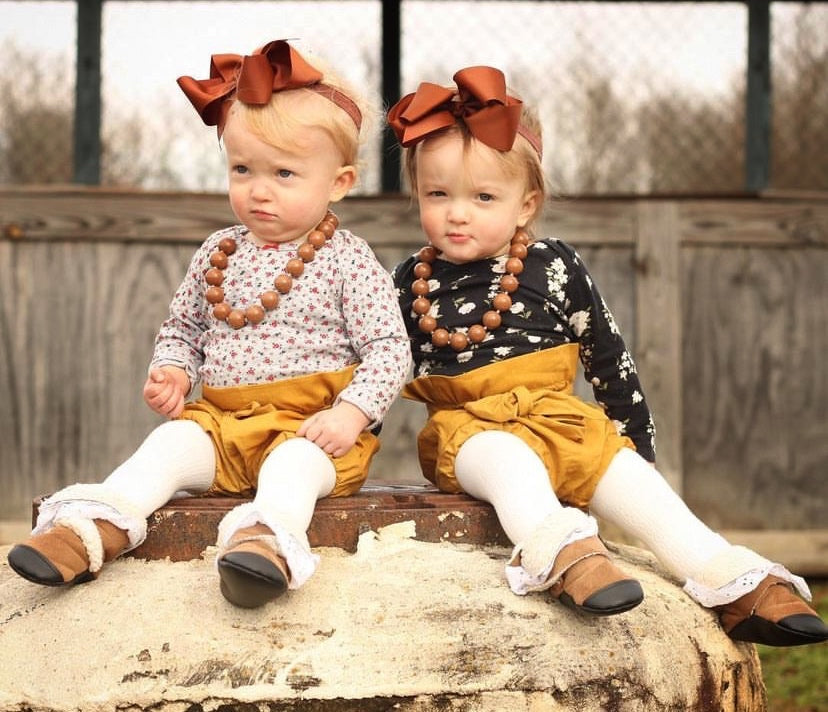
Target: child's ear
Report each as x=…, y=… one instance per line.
x=343, y=182
x=529, y=208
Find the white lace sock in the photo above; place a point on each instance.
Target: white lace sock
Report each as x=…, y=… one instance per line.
x=292, y=478
x=499, y=468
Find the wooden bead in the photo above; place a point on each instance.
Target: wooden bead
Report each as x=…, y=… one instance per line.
x=254, y=313
x=220, y=311
x=218, y=259
x=283, y=283
x=491, y=320
x=440, y=337
x=518, y=250
x=421, y=305
x=214, y=295
x=458, y=341
x=514, y=265
x=316, y=238
x=295, y=267
x=227, y=245
x=306, y=252
x=327, y=229
x=520, y=238
x=502, y=301
x=427, y=253
x=269, y=300
x=509, y=283
x=422, y=270
x=427, y=324
x=236, y=319
x=477, y=333
x=420, y=287
x=214, y=277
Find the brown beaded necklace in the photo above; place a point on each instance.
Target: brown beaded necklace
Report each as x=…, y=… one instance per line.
x=458, y=340
x=214, y=276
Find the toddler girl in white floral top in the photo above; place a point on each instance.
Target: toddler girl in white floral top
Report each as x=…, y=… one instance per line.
x=285, y=321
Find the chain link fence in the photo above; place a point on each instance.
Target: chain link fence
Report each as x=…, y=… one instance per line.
x=634, y=97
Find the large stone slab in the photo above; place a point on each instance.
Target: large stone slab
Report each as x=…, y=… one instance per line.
x=399, y=624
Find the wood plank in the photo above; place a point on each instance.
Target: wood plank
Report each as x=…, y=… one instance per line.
x=51, y=214
x=773, y=223
x=659, y=331
x=755, y=385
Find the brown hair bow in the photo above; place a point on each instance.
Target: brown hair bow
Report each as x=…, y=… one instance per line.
x=480, y=102
x=252, y=79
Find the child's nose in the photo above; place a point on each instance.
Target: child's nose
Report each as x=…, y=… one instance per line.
x=458, y=212
x=259, y=189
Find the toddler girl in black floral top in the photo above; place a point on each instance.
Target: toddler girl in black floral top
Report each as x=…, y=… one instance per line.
x=285, y=321
x=498, y=321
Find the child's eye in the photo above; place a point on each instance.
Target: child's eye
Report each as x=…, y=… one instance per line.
x=485, y=197
x=241, y=170
x=436, y=193
x=284, y=173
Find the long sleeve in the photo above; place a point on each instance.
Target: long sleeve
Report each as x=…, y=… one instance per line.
x=608, y=363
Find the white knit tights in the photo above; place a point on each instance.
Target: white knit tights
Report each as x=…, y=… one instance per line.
x=500, y=468
x=178, y=456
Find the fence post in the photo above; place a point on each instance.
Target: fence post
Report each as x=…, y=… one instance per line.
x=391, y=57
x=758, y=102
x=658, y=328
x=87, y=139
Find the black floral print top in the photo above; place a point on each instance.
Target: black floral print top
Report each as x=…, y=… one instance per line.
x=557, y=303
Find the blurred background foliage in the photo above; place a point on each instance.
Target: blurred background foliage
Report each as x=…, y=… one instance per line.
x=635, y=97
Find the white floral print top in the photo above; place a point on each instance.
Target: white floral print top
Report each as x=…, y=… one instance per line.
x=557, y=303
x=340, y=311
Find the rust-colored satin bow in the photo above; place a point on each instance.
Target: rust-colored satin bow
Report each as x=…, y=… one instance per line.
x=252, y=79
x=480, y=102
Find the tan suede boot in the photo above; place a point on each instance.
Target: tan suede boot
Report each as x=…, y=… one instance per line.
x=252, y=572
x=60, y=557
x=772, y=614
x=588, y=581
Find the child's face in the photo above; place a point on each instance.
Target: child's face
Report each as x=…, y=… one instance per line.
x=469, y=207
x=281, y=194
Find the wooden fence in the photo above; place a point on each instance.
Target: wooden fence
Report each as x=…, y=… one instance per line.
x=724, y=303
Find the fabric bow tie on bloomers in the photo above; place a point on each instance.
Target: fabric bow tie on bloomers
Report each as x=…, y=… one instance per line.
x=480, y=102
x=252, y=79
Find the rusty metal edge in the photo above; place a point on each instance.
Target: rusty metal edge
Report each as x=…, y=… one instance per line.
x=182, y=529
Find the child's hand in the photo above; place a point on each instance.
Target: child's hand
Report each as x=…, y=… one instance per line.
x=335, y=430
x=165, y=390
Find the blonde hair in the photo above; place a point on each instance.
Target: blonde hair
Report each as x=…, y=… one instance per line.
x=522, y=160
x=280, y=121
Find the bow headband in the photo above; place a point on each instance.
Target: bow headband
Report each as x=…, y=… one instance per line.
x=480, y=102
x=254, y=78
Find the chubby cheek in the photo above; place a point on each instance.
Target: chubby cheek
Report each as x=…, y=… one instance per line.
x=431, y=224
x=237, y=202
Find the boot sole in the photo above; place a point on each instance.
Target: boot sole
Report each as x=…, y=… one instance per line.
x=33, y=566
x=625, y=595
x=756, y=629
x=249, y=580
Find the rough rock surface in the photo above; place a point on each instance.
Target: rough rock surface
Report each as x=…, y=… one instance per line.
x=401, y=624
